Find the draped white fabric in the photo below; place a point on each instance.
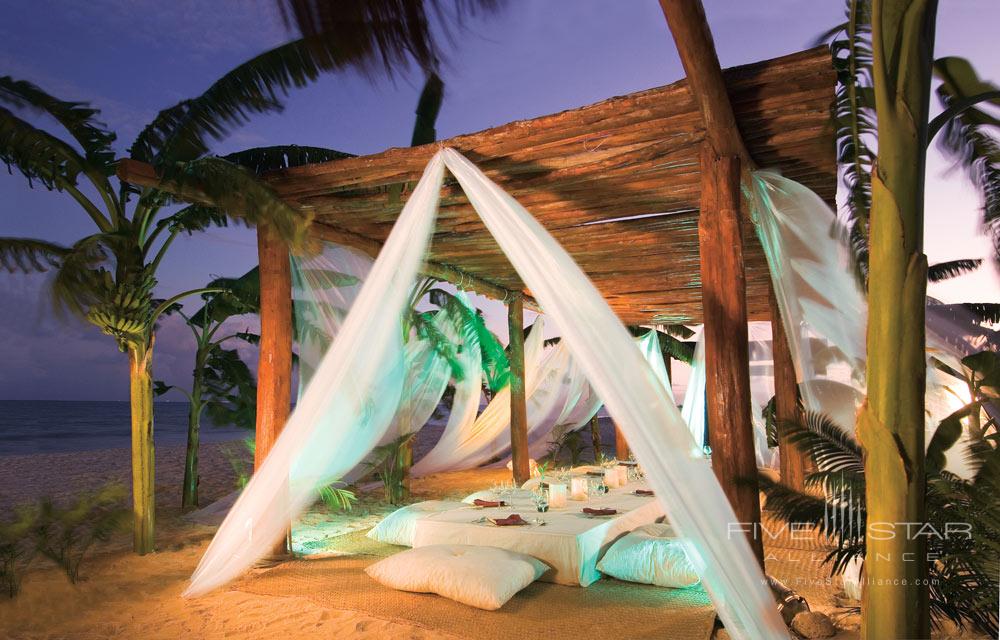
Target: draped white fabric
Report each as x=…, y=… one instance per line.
x=825, y=311
x=330, y=416
x=678, y=472
x=329, y=432
x=693, y=409
x=464, y=445
x=577, y=398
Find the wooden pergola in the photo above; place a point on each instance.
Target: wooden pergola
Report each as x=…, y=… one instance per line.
x=643, y=190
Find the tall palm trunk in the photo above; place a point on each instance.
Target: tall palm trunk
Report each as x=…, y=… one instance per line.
x=891, y=422
x=140, y=359
x=189, y=495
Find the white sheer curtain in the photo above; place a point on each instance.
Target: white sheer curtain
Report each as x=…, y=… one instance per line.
x=464, y=445
x=329, y=418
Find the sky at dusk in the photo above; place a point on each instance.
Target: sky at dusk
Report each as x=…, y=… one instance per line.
x=133, y=58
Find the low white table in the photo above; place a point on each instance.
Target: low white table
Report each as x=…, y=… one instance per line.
x=570, y=542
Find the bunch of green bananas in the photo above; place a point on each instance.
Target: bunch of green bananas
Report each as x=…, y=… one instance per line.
x=125, y=309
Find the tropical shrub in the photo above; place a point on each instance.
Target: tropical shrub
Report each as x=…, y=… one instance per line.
x=963, y=569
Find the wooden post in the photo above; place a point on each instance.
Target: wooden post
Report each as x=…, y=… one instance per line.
x=786, y=402
x=518, y=402
x=274, y=372
x=595, y=437
x=727, y=359
x=621, y=445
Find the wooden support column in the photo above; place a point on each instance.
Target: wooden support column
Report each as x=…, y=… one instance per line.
x=621, y=445
x=786, y=402
x=518, y=402
x=727, y=360
x=274, y=371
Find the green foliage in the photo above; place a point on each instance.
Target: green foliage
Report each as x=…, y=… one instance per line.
x=337, y=497
x=964, y=573
x=475, y=334
x=570, y=442
x=16, y=548
x=953, y=268
x=237, y=460
x=969, y=134
x=854, y=120
x=389, y=461
x=63, y=535
x=29, y=255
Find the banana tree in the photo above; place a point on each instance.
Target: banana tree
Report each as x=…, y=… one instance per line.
x=222, y=385
x=109, y=276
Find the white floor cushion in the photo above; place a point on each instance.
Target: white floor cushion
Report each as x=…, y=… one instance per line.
x=482, y=577
x=398, y=526
x=651, y=554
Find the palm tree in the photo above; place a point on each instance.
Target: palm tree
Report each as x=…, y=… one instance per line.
x=883, y=55
x=222, y=385
x=109, y=277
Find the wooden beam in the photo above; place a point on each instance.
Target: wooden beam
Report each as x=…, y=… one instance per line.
x=518, y=402
x=786, y=402
x=274, y=371
x=621, y=445
x=689, y=26
x=727, y=360
x=457, y=277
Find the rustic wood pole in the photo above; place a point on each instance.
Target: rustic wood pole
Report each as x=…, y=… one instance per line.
x=786, y=402
x=894, y=596
x=274, y=372
x=724, y=305
x=518, y=402
x=727, y=368
x=621, y=445
x=595, y=437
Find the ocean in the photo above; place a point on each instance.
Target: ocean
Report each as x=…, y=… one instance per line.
x=51, y=426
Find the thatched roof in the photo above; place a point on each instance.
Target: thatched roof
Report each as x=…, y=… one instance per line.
x=616, y=182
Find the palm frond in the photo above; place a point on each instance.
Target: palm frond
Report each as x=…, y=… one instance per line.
x=240, y=296
x=986, y=311
x=78, y=118
x=37, y=154
x=828, y=444
x=472, y=327
x=29, y=255
x=952, y=269
x=236, y=191
x=260, y=160
x=855, y=123
x=183, y=132
x=969, y=137
x=379, y=33
x=428, y=108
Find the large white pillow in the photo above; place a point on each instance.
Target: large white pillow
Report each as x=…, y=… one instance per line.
x=651, y=554
x=399, y=526
x=482, y=577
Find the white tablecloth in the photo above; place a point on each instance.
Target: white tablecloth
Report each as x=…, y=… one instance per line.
x=570, y=542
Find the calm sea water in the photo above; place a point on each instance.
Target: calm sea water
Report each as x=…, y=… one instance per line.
x=47, y=426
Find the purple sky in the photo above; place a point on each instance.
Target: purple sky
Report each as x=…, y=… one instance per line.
x=132, y=58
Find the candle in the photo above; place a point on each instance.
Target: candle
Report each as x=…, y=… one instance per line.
x=611, y=478
x=578, y=489
x=557, y=496
x=622, y=475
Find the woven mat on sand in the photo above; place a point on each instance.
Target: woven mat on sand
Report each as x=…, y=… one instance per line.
x=608, y=609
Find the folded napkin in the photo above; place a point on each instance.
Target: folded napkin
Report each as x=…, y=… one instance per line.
x=599, y=512
x=489, y=503
x=643, y=492
x=511, y=520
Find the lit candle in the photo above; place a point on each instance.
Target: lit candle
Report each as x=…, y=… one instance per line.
x=611, y=478
x=622, y=475
x=578, y=489
x=557, y=496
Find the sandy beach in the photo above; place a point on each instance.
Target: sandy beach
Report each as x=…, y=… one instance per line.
x=126, y=596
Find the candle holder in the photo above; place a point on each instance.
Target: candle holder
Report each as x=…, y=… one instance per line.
x=557, y=496
x=578, y=489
